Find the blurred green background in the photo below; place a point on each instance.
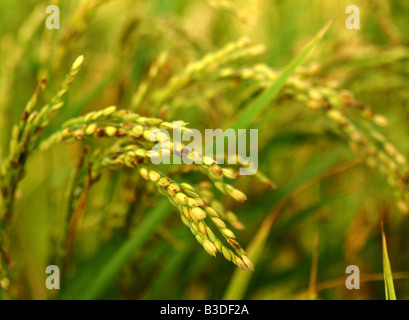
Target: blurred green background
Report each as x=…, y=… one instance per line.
x=131, y=244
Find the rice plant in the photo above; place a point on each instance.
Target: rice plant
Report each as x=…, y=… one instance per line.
x=83, y=107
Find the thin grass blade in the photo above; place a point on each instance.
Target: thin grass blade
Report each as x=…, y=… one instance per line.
x=387, y=271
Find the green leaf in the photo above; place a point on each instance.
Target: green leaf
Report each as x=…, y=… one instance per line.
x=387, y=272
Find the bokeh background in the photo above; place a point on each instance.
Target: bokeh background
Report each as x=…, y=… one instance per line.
x=326, y=213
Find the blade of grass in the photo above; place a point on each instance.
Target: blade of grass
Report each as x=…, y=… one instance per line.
x=387, y=272
x=107, y=273
x=312, y=289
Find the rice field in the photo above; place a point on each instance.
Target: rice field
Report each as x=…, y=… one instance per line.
x=204, y=149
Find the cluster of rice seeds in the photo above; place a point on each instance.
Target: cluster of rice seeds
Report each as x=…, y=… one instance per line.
x=379, y=154
x=336, y=104
x=194, y=213
x=318, y=98
x=393, y=165
x=364, y=139
x=45, y=114
x=24, y=138
x=112, y=123
x=192, y=206
x=26, y=134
